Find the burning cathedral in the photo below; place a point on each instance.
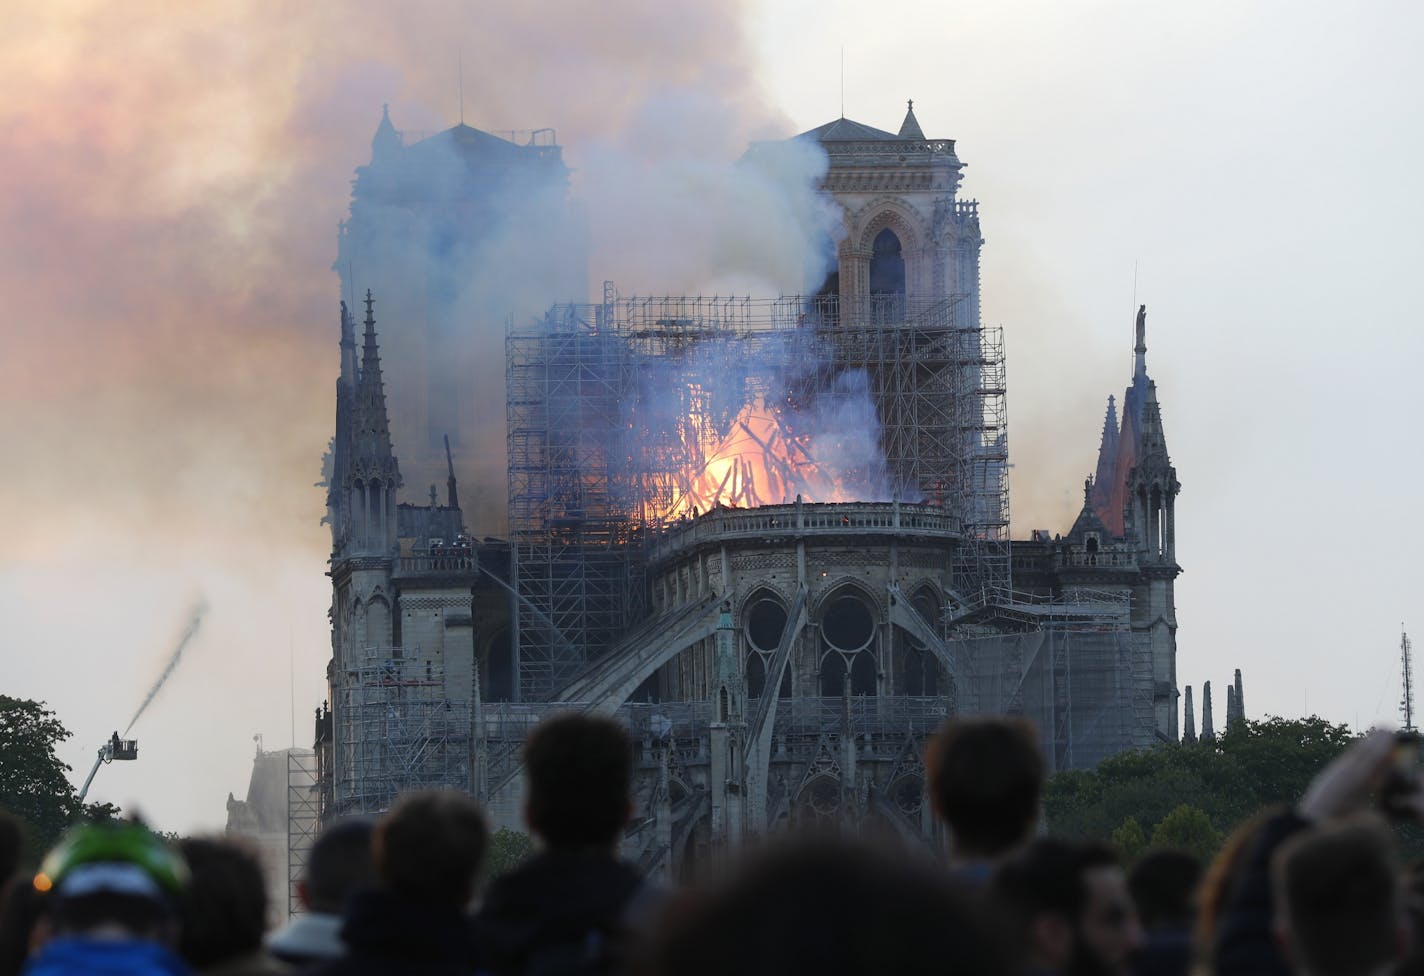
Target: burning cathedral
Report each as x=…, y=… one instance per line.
x=771, y=537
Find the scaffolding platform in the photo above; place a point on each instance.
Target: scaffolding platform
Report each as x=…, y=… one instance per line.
x=612, y=405
x=396, y=730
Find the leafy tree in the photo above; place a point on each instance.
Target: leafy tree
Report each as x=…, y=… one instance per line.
x=1254, y=765
x=1129, y=839
x=1277, y=758
x=34, y=782
x=507, y=850
x=1189, y=829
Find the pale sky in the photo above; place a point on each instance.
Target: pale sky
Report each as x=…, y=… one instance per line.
x=168, y=213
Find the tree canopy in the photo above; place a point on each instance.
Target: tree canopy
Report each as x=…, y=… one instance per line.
x=1193, y=795
x=507, y=850
x=34, y=782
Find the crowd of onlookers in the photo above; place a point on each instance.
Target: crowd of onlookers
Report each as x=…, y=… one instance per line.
x=1314, y=890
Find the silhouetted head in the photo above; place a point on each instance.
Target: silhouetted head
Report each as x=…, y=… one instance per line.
x=827, y=909
x=429, y=847
x=116, y=875
x=224, y=908
x=20, y=909
x=1220, y=880
x=1339, y=899
x=580, y=770
x=986, y=777
x=338, y=866
x=1164, y=887
x=1070, y=906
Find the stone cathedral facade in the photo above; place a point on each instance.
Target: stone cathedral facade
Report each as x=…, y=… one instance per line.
x=778, y=664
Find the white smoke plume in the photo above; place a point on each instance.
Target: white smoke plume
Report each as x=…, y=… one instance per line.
x=657, y=207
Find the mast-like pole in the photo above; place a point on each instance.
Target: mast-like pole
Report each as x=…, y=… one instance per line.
x=1406, y=704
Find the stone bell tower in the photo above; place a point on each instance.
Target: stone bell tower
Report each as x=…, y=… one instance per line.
x=907, y=232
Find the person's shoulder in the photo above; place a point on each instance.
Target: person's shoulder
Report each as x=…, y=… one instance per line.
x=307, y=939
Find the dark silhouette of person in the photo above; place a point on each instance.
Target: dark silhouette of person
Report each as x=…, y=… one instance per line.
x=1163, y=884
x=338, y=866
x=224, y=910
x=1070, y=905
x=574, y=906
x=427, y=851
x=986, y=777
x=828, y=908
x=111, y=894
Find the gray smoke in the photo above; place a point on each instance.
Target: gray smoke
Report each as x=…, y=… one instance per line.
x=658, y=206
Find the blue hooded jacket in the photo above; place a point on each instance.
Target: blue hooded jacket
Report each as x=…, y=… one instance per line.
x=104, y=957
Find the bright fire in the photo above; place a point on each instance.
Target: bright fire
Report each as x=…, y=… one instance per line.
x=758, y=462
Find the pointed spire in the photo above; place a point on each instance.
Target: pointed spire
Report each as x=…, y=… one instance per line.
x=1103, y=486
x=1230, y=707
x=372, y=429
x=1240, y=699
x=1189, y=721
x=1139, y=361
x=1087, y=523
x=1208, y=734
x=452, y=490
x=910, y=128
x=386, y=144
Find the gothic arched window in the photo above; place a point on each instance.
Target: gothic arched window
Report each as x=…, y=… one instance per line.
x=862, y=674
x=887, y=265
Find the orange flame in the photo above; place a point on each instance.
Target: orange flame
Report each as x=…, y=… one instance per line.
x=758, y=462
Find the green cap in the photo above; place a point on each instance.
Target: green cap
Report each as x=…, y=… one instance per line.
x=117, y=856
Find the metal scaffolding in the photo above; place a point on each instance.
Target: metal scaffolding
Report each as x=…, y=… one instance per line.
x=612, y=405
x=939, y=388
x=1075, y=668
x=572, y=520
x=302, y=819
x=396, y=729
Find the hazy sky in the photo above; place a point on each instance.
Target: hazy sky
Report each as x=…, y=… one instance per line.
x=173, y=178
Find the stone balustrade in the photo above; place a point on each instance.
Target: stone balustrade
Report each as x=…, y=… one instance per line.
x=806, y=520
x=1102, y=559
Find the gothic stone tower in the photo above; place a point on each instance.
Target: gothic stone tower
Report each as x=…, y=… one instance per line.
x=1153, y=487
x=1125, y=538
x=906, y=231
x=407, y=590
x=457, y=232
x=1140, y=504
